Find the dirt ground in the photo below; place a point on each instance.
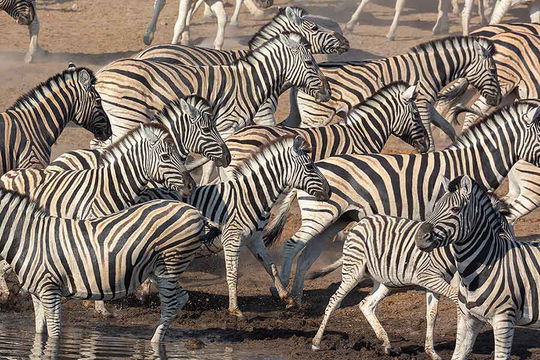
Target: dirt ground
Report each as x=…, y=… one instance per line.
x=94, y=32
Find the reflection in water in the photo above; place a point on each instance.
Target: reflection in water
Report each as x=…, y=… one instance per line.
x=20, y=342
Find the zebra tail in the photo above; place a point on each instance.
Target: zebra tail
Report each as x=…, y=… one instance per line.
x=325, y=270
x=212, y=231
x=275, y=226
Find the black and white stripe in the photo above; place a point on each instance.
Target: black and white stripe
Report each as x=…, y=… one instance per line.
x=498, y=275
x=382, y=248
x=24, y=12
x=31, y=126
x=103, y=259
x=406, y=185
x=241, y=206
x=432, y=65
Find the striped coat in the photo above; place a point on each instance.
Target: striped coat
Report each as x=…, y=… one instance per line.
x=24, y=12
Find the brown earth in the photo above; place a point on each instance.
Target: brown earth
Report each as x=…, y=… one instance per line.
x=94, y=32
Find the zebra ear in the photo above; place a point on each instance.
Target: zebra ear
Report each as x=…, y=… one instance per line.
x=485, y=51
x=445, y=183
x=150, y=133
x=293, y=17
x=410, y=93
x=298, y=145
x=466, y=185
x=188, y=109
x=85, y=79
x=532, y=115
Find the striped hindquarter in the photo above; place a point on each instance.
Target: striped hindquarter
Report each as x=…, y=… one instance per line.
x=407, y=185
x=241, y=205
x=103, y=259
x=432, y=65
x=383, y=249
x=134, y=89
x=31, y=126
x=498, y=275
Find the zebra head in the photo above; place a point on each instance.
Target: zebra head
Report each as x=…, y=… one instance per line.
x=482, y=72
x=462, y=213
x=21, y=10
x=305, y=174
x=88, y=111
x=201, y=135
x=165, y=165
x=303, y=71
x=294, y=19
x=407, y=125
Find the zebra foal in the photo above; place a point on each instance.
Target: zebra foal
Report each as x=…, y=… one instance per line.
x=31, y=126
x=24, y=12
x=498, y=275
x=54, y=257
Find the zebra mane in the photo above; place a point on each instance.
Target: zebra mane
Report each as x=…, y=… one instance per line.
x=133, y=136
x=463, y=41
x=49, y=85
x=195, y=101
x=251, y=54
x=261, y=157
x=381, y=94
x=273, y=28
x=17, y=199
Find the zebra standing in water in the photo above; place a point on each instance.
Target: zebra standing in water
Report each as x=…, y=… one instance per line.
x=31, y=126
x=407, y=185
x=432, y=65
x=133, y=89
x=242, y=204
x=288, y=19
x=81, y=259
x=24, y=12
x=498, y=275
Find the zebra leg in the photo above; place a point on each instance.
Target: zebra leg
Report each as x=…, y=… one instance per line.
x=352, y=273
x=50, y=302
x=455, y=7
x=232, y=241
x=503, y=333
x=169, y=305
x=182, y=298
x=481, y=12
x=221, y=16
x=151, y=29
x=368, y=307
x=501, y=8
x=33, y=48
x=99, y=307
x=397, y=12
x=236, y=13
x=466, y=16
x=534, y=11
x=183, y=10
x=441, y=25
x=432, y=305
x=259, y=250
x=354, y=19
x=4, y=288
x=467, y=331
x=39, y=315
x=254, y=9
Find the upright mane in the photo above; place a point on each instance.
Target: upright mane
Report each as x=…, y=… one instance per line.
x=381, y=94
x=50, y=85
x=252, y=54
x=274, y=27
x=133, y=136
x=261, y=157
x=462, y=41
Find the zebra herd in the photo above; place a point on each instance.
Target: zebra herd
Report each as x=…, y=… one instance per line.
x=95, y=224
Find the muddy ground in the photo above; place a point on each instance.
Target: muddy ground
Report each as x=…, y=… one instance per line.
x=94, y=32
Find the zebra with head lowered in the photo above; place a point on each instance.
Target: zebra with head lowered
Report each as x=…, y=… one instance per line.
x=288, y=19
x=498, y=275
x=407, y=185
x=241, y=206
x=432, y=65
x=32, y=125
x=24, y=12
x=54, y=257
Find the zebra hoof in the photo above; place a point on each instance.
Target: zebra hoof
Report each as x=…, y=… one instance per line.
x=391, y=351
x=432, y=354
x=390, y=37
x=237, y=313
x=148, y=38
x=315, y=347
x=274, y=292
x=28, y=58
x=233, y=23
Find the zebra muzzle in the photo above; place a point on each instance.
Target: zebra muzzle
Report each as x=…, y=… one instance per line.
x=424, y=237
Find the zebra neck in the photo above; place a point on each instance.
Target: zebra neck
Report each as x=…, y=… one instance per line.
x=42, y=121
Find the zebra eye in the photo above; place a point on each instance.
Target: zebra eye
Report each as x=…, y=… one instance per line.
x=455, y=209
x=310, y=167
x=165, y=157
x=205, y=130
x=309, y=63
x=314, y=27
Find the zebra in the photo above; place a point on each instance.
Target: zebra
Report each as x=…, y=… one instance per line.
x=498, y=274
x=101, y=259
x=432, y=65
x=406, y=185
x=383, y=249
x=31, y=126
x=241, y=206
x=132, y=89
x=24, y=12
x=288, y=19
